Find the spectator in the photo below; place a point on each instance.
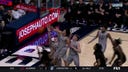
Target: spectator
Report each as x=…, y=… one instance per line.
x=7, y=17
x=118, y=17
x=125, y=21
x=22, y=12
x=99, y=12
x=43, y=6
x=80, y=10
x=21, y=1
x=108, y=14
x=90, y=12
x=2, y=10
x=32, y=3
x=2, y=25
x=17, y=13
x=72, y=9
x=27, y=1
x=67, y=16
x=64, y=4
x=15, y=2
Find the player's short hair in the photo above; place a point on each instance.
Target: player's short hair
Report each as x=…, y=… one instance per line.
x=105, y=26
x=98, y=46
x=76, y=36
x=118, y=41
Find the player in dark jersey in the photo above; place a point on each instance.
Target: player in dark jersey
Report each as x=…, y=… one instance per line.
x=99, y=55
x=121, y=58
x=44, y=57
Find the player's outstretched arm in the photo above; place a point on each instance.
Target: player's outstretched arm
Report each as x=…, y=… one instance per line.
x=94, y=38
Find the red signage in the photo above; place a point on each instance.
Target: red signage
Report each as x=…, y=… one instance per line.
x=33, y=27
x=26, y=7
x=6, y=2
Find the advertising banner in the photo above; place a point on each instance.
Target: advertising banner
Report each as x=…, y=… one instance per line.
x=33, y=27
x=26, y=7
x=42, y=40
x=6, y=2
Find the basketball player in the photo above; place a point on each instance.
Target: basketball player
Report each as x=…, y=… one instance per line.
x=60, y=45
x=102, y=36
x=74, y=51
x=44, y=57
x=54, y=45
x=99, y=56
x=63, y=46
x=65, y=41
x=121, y=58
x=51, y=44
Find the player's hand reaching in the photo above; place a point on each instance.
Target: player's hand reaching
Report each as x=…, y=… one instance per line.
x=89, y=42
x=48, y=28
x=37, y=49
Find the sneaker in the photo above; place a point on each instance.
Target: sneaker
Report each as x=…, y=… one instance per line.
x=121, y=29
x=122, y=26
x=114, y=29
x=125, y=30
x=109, y=29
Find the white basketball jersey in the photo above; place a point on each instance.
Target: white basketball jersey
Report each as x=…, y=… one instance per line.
x=103, y=40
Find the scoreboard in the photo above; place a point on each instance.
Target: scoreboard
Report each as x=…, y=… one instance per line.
x=64, y=69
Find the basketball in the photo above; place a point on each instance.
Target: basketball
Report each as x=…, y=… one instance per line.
x=41, y=30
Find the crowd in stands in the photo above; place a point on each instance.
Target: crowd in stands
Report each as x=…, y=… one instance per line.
x=114, y=14
x=9, y=14
x=12, y=14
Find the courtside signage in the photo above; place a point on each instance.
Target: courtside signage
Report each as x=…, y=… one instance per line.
x=43, y=39
x=33, y=27
x=26, y=7
x=6, y=2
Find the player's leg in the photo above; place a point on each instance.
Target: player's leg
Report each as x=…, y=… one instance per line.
x=76, y=60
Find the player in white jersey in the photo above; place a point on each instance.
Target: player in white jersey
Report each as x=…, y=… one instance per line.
x=74, y=51
x=102, y=36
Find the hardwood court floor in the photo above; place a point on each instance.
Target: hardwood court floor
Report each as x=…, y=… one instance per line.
x=87, y=58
